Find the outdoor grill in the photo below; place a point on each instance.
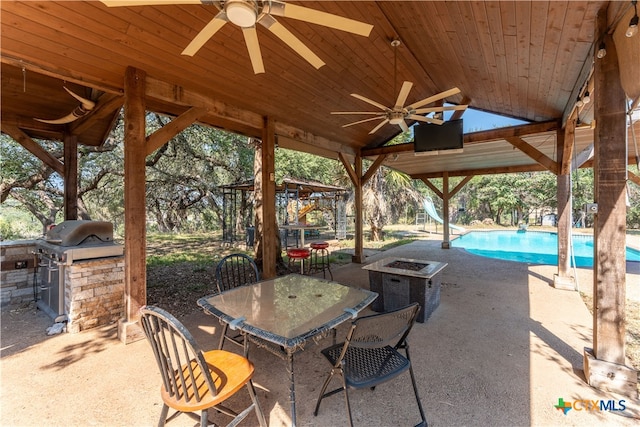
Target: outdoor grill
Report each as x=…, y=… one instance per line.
x=63, y=245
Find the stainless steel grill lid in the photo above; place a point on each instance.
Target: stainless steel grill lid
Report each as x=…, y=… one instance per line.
x=78, y=232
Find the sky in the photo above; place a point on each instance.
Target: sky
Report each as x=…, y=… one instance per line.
x=474, y=120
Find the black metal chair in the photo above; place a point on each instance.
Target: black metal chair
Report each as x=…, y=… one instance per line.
x=369, y=356
x=193, y=380
x=232, y=271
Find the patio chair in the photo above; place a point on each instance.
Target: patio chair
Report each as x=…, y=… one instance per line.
x=193, y=380
x=369, y=356
x=232, y=271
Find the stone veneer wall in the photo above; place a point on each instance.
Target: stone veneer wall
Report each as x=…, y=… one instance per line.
x=94, y=293
x=16, y=284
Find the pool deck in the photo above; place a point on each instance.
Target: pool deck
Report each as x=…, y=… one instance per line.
x=500, y=350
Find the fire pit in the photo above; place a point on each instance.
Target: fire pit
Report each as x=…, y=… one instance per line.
x=401, y=281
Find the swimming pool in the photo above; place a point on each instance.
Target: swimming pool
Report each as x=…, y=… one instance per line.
x=534, y=247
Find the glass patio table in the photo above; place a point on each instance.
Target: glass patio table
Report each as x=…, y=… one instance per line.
x=283, y=314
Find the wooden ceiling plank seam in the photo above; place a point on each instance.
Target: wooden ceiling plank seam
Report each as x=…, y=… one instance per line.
x=553, y=35
x=565, y=61
x=499, y=85
x=538, y=31
x=488, y=46
x=523, y=19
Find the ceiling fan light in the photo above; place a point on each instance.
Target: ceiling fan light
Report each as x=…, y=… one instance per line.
x=241, y=13
x=395, y=118
x=602, y=51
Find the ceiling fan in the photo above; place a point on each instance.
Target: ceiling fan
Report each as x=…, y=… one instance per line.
x=399, y=113
x=246, y=13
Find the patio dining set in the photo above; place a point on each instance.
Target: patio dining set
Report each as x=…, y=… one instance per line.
x=281, y=315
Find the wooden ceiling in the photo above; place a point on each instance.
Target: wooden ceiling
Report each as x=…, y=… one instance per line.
x=527, y=60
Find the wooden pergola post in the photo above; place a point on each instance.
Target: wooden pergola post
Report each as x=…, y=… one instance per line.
x=563, y=279
x=604, y=365
x=446, y=244
x=268, y=206
x=70, y=177
x=135, y=255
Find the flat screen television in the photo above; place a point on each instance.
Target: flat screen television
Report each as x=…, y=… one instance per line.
x=430, y=137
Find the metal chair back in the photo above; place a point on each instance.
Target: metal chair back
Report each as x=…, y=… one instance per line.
x=369, y=355
x=236, y=270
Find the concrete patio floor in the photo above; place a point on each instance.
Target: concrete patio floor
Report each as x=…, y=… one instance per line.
x=500, y=350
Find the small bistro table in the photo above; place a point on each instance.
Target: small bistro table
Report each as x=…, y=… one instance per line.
x=285, y=313
x=401, y=281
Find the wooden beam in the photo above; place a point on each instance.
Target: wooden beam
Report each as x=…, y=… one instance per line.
x=268, y=190
x=604, y=365
x=33, y=147
x=70, y=177
x=171, y=129
x=106, y=106
x=460, y=185
x=566, y=143
x=432, y=187
x=373, y=168
x=358, y=253
x=633, y=177
x=445, y=212
x=474, y=137
x=355, y=180
x=511, y=132
x=291, y=132
x=135, y=223
x=487, y=171
x=457, y=114
x=534, y=153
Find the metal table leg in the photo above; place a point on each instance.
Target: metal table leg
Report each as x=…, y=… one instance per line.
x=292, y=389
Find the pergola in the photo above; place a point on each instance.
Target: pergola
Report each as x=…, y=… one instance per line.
x=527, y=60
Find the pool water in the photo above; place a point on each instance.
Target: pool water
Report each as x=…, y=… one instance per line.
x=531, y=246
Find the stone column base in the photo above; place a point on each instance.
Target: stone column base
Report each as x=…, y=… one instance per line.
x=563, y=282
x=609, y=376
x=129, y=332
x=446, y=245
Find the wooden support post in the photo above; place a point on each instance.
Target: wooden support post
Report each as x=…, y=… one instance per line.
x=70, y=177
x=358, y=254
x=445, y=211
x=604, y=365
x=268, y=188
x=563, y=279
x=134, y=205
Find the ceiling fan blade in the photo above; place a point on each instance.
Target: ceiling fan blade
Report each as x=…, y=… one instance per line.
x=434, y=98
x=403, y=126
x=382, y=123
x=443, y=108
x=118, y=3
x=206, y=33
x=369, y=101
x=402, y=96
x=363, y=121
x=377, y=113
x=253, y=47
x=291, y=40
x=425, y=119
x=301, y=13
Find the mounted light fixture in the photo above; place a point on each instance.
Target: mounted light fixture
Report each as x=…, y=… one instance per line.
x=586, y=98
x=602, y=51
x=579, y=102
x=633, y=24
x=242, y=13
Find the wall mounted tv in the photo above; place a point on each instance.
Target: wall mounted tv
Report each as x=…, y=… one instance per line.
x=428, y=137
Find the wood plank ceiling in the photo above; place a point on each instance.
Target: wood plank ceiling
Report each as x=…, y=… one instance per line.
x=522, y=59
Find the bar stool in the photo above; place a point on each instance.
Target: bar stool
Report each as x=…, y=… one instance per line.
x=298, y=254
x=320, y=258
